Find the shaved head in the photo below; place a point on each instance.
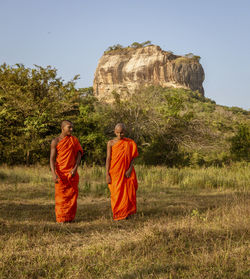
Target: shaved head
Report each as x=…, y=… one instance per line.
x=120, y=125
x=119, y=131
x=65, y=122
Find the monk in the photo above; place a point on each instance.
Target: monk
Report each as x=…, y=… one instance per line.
x=120, y=174
x=65, y=157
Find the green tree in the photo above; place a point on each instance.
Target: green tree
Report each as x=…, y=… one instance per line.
x=89, y=128
x=240, y=143
x=32, y=103
x=155, y=119
x=136, y=45
x=114, y=47
x=146, y=43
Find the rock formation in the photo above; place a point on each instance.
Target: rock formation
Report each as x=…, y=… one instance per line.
x=128, y=69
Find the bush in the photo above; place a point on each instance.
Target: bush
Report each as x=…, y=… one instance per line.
x=240, y=143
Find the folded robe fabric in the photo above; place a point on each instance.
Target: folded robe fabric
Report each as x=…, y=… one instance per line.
x=66, y=190
x=122, y=189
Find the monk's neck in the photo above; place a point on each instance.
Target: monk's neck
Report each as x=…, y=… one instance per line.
x=116, y=139
x=62, y=136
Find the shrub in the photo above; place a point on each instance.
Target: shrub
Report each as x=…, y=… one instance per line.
x=240, y=143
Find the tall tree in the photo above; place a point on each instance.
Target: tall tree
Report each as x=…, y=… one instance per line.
x=32, y=102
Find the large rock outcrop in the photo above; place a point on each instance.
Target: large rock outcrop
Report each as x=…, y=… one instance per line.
x=126, y=70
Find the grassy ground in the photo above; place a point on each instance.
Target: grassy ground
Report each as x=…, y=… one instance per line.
x=191, y=223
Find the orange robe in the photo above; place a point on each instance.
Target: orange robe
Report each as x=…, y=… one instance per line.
x=122, y=189
x=66, y=190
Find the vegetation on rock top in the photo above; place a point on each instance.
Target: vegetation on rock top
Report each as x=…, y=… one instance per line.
x=119, y=49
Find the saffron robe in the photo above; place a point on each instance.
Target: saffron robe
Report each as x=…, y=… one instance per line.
x=122, y=189
x=66, y=190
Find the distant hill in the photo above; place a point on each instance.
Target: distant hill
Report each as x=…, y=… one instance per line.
x=180, y=126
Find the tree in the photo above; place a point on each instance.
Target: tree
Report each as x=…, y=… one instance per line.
x=146, y=43
x=154, y=118
x=32, y=103
x=240, y=143
x=114, y=47
x=89, y=128
x=136, y=45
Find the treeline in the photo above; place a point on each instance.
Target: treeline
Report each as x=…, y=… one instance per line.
x=175, y=127
x=134, y=45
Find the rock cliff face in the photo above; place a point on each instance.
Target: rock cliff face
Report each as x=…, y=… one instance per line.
x=127, y=70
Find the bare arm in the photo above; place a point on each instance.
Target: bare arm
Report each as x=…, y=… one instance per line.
x=78, y=160
x=108, y=159
x=53, y=159
x=129, y=170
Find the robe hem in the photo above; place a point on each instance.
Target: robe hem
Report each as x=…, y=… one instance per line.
x=63, y=220
x=124, y=217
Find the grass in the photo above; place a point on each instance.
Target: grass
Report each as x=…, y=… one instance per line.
x=191, y=223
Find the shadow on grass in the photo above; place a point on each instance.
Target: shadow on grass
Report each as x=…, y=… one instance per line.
x=26, y=212
x=13, y=211
x=27, y=218
x=180, y=203
x=97, y=216
x=14, y=178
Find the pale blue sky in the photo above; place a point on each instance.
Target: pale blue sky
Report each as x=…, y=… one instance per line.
x=71, y=35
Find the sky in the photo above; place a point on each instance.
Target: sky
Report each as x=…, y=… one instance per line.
x=71, y=36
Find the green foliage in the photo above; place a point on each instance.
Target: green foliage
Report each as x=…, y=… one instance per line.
x=138, y=45
x=32, y=102
x=237, y=110
x=146, y=43
x=84, y=92
x=90, y=131
x=176, y=127
x=114, y=47
x=240, y=143
x=161, y=151
x=156, y=120
x=192, y=56
x=120, y=48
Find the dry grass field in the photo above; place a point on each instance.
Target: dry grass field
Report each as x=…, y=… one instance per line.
x=191, y=223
